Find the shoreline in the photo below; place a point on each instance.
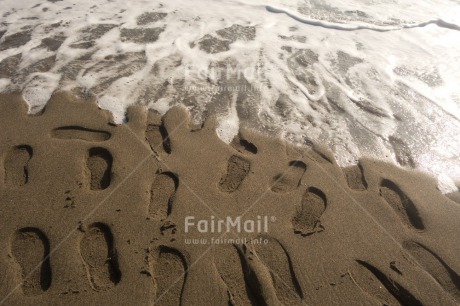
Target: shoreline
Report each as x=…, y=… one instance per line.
x=108, y=203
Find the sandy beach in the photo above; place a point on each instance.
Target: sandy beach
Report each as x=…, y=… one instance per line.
x=157, y=211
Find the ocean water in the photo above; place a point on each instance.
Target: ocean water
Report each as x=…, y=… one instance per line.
x=367, y=78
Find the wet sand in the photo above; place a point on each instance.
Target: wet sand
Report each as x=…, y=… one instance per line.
x=104, y=214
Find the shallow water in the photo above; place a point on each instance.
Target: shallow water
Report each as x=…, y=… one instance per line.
x=373, y=78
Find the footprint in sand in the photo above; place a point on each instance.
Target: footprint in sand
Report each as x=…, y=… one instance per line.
x=227, y=261
x=31, y=249
x=306, y=221
x=99, y=165
x=156, y=134
x=162, y=195
x=380, y=286
x=243, y=146
x=433, y=264
x=17, y=165
x=279, y=264
x=355, y=177
x=258, y=274
x=401, y=204
x=80, y=133
x=99, y=257
x=290, y=179
x=237, y=169
x=168, y=268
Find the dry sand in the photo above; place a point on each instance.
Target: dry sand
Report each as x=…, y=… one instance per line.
x=94, y=213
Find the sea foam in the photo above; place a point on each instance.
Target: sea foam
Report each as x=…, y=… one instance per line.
x=375, y=78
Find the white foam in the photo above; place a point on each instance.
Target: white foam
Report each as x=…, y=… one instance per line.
x=446, y=184
x=39, y=89
x=229, y=125
x=352, y=74
x=4, y=83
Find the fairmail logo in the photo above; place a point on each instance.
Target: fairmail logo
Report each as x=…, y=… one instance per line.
x=258, y=225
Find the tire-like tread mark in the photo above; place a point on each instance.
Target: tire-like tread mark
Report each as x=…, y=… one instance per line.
x=31, y=250
x=99, y=163
x=355, y=178
x=290, y=179
x=100, y=257
x=81, y=133
x=433, y=264
x=17, y=165
x=237, y=169
x=170, y=273
x=399, y=292
x=306, y=221
x=162, y=195
x=402, y=205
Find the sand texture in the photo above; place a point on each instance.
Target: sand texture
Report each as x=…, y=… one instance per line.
x=94, y=213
